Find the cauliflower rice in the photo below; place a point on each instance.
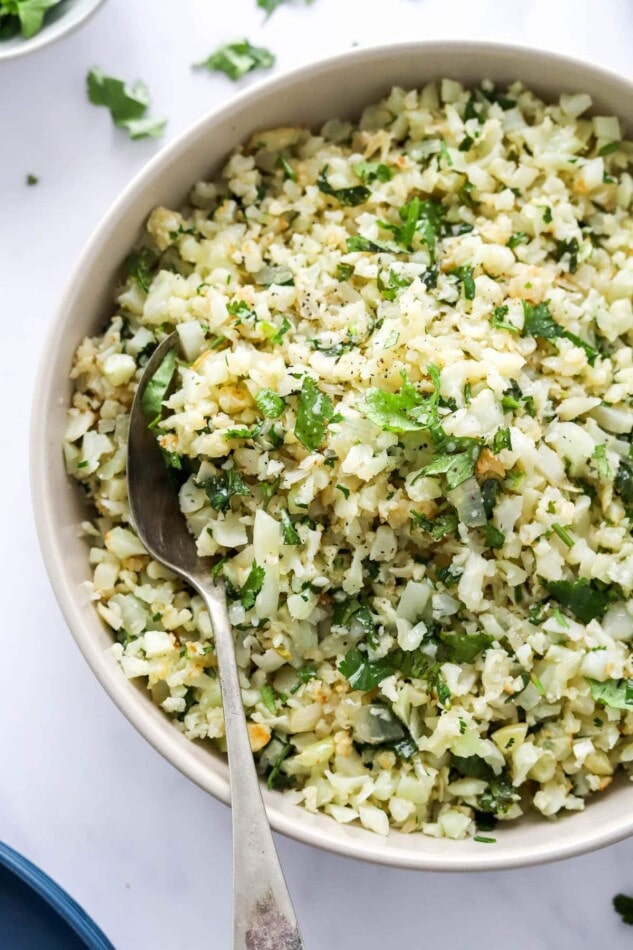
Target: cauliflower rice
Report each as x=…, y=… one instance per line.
x=401, y=429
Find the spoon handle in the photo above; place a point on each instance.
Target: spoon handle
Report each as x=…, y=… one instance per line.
x=263, y=916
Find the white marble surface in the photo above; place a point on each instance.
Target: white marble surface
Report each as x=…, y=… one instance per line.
x=144, y=850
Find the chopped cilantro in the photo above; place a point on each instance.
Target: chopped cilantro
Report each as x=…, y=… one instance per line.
x=465, y=277
x=346, y=196
x=358, y=242
x=269, y=403
x=490, y=490
x=349, y=612
x=609, y=148
x=539, y=322
x=276, y=334
x=568, y=248
x=502, y=440
x=344, y=271
x=156, y=388
x=363, y=673
x=617, y=694
x=520, y=237
x=243, y=432
x=563, y=535
x=373, y=171
x=623, y=483
x=314, y=412
x=304, y=675
x=472, y=766
x=440, y=527
x=482, y=839
x=464, y=648
x=140, y=265
x=269, y=698
x=237, y=59
x=221, y=488
x=395, y=282
x=426, y=218
x=494, y=538
x=25, y=16
x=32, y=179
x=585, y=601
x=405, y=411
x=275, y=777
x=498, y=321
x=269, y=6
x=290, y=533
x=602, y=463
x=624, y=906
x=457, y=462
x=252, y=586
x=128, y=104
x=286, y=167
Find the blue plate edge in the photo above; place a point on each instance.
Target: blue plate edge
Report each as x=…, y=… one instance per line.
x=56, y=897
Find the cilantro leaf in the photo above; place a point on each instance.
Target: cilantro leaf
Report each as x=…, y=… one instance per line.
x=405, y=411
x=463, y=648
x=314, y=412
x=602, y=462
x=624, y=906
x=221, y=488
x=617, y=694
x=499, y=796
x=237, y=59
x=498, y=321
x=502, y=440
x=623, y=483
x=269, y=6
x=346, y=196
x=127, y=103
x=539, y=322
x=269, y=698
x=494, y=538
x=571, y=249
x=350, y=612
x=156, y=388
x=290, y=533
x=363, y=673
x=582, y=598
x=457, y=462
x=269, y=403
x=426, y=218
x=465, y=277
x=252, y=586
x=140, y=265
x=373, y=171
x=358, y=242
x=30, y=14
x=276, y=778
x=472, y=766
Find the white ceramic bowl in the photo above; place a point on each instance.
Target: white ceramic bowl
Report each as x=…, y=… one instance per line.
x=59, y=20
x=338, y=86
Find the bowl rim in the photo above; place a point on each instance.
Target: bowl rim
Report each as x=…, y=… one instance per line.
x=166, y=740
x=50, y=33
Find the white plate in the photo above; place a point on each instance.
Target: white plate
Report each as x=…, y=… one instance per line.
x=59, y=20
x=341, y=85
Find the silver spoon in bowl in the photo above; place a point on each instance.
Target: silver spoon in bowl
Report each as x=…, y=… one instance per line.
x=263, y=916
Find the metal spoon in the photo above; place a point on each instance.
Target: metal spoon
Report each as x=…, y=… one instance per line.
x=263, y=916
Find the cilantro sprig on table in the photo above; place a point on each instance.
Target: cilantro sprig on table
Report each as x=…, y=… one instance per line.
x=128, y=104
x=237, y=59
